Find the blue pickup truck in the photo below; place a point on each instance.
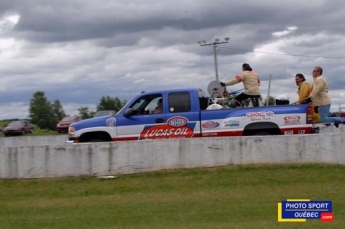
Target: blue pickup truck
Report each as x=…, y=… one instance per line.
x=184, y=114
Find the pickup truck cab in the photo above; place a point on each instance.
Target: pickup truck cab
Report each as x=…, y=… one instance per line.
x=184, y=115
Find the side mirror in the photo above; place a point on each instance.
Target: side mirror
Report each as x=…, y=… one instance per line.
x=129, y=112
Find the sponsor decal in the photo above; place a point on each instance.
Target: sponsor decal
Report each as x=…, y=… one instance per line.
x=288, y=120
x=210, y=124
x=260, y=118
x=177, y=121
x=110, y=121
x=260, y=114
x=232, y=123
x=209, y=134
x=301, y=131
x=288, y=132
x=176, y=127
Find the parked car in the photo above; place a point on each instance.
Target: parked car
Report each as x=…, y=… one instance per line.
x=19, y=127
x=63, y=125
x=104, y=113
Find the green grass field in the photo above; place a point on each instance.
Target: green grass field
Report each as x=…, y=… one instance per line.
x=224, y=197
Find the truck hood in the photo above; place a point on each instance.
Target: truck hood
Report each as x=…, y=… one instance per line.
x=94, y=122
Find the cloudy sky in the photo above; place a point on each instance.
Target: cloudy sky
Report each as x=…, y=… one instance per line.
x=77, y=51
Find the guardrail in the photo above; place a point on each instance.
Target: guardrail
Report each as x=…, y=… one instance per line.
x=96, y=159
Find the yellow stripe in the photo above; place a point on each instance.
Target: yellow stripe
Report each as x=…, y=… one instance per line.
x=280, y=215
x=297, y=200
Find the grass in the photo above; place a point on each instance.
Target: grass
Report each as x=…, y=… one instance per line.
x=224, y=197
x=43, y=132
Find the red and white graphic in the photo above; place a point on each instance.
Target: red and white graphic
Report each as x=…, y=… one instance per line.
x=176, y=127
x=260, y=114
x=210, y=124
x=327, y=217
x=288, y=120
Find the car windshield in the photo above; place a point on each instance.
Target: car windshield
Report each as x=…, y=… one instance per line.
x=103, y=113
x=68, y=119
x=15, y=123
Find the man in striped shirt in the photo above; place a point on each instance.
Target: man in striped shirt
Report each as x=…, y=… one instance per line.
x=251, y=83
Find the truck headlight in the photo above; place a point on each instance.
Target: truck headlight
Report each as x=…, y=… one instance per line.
x=71, y=131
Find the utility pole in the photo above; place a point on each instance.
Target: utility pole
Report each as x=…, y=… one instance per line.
x=269, y=89
x=340, y=109
x=215, y=46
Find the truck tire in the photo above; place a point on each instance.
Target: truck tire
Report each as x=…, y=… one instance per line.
x=96, y=140
x=261, y=128
x=262, y=133
x=95, y=137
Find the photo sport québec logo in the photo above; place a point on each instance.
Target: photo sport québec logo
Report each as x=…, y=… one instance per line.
x=302, y=210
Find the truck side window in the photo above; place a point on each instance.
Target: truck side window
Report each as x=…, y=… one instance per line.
x=179, y=102
x=145, y=104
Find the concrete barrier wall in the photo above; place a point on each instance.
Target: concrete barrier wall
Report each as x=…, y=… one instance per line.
x=141, y=156
x=28, y=140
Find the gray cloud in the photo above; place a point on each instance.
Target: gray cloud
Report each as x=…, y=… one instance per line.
x=78, y=50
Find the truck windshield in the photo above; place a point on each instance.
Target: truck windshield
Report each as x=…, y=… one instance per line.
x=122, y=108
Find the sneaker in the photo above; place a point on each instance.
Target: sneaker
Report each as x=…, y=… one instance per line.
x=336, y=124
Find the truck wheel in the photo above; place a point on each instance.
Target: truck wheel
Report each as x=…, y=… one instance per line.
x=96, y=140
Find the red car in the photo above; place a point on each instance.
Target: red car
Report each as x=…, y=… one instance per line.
x=19, y=127
x=63, y=125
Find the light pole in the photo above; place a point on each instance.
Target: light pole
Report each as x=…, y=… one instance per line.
x=215, y=46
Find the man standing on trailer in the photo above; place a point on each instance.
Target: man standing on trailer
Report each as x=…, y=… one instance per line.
x=251, y=83
x=304, y=90
x=321, y=99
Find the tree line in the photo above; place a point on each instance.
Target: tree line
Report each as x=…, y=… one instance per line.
x=46, y=114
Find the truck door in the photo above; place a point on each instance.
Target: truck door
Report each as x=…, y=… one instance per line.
x=182, y=115
x=145, y=112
